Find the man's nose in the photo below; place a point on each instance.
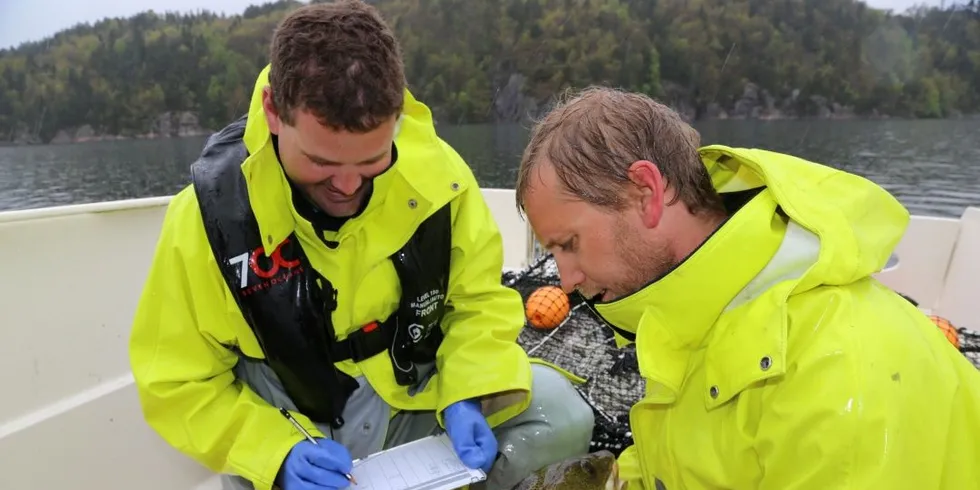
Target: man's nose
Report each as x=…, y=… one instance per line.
x=570, y=277
x=348, y=184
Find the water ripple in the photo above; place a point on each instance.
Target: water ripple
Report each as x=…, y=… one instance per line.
x=932, y=167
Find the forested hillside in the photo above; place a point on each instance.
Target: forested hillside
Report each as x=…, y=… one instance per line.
x=503, y=60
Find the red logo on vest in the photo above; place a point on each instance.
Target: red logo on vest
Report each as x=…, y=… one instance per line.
x=276, y=270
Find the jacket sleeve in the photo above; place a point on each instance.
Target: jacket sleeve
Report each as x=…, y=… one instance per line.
x=629, y=469
x=835, y=419
x=479, y=356
x=183, y=367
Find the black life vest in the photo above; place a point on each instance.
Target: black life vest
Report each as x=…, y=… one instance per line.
x=288, y=304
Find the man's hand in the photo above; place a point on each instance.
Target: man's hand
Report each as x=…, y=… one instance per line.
x=470, y=434
x=317, y=466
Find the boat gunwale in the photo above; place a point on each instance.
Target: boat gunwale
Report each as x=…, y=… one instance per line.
x=18, y=215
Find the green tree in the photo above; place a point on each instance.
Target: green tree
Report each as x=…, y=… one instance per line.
x=119, y=75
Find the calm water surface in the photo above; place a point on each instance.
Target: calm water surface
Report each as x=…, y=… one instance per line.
x=933, y=167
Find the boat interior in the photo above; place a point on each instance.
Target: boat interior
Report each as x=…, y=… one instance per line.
x=73, y=274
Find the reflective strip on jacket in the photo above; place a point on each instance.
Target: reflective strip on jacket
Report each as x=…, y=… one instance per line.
x=775, y=361
x=187, y=322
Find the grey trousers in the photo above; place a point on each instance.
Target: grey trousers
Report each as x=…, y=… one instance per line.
x=557, y=425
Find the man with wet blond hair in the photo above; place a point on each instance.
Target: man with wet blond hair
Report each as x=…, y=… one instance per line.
x=772, y=357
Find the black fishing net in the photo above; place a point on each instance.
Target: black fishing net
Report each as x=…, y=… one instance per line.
x=583, y=344
x=970, y=345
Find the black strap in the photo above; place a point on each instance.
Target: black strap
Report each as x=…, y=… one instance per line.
x=366, y=342
x=289, y=312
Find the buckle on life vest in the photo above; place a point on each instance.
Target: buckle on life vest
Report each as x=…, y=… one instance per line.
x=368, y=341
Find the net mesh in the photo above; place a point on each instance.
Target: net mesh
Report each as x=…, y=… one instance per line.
x=583, y=344
x=970, y=344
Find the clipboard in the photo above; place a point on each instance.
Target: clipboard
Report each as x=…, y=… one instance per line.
x=429, y=463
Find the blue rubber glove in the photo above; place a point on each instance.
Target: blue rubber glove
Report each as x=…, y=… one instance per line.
x=470, y=434
x=317, y=466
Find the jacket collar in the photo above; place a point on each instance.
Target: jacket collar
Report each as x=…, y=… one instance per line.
x=674, y=316
x=270, y=193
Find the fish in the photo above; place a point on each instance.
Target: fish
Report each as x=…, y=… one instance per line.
x=593, y=471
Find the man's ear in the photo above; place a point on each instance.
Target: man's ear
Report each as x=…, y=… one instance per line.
x=649, y=189
x=271, y=114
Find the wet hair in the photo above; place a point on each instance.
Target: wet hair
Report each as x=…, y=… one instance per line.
x=341, y=62
x=592, y=137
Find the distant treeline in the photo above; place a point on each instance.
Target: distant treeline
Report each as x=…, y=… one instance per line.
x=504, y=60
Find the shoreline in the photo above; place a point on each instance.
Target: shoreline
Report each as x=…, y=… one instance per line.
x=63, y=140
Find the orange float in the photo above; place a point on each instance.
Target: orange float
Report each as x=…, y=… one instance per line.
x=948, y=329
x=546, y=307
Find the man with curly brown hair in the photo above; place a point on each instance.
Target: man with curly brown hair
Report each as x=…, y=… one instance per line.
x=334, y=258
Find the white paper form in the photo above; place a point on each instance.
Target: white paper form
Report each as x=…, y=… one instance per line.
x=429, y=463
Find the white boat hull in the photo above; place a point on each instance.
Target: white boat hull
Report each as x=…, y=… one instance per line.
x=71, y=279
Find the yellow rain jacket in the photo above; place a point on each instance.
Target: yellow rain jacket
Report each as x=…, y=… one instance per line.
x=774, y=361
x=187, y=321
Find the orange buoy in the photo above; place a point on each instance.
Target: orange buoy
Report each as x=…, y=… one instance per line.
x=546, y=307
x=948, y=329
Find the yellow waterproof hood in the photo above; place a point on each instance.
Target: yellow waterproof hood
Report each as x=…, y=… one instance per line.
x=855, y=225
x=857, y=222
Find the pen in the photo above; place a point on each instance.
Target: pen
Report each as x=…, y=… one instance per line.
x=289, y=417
